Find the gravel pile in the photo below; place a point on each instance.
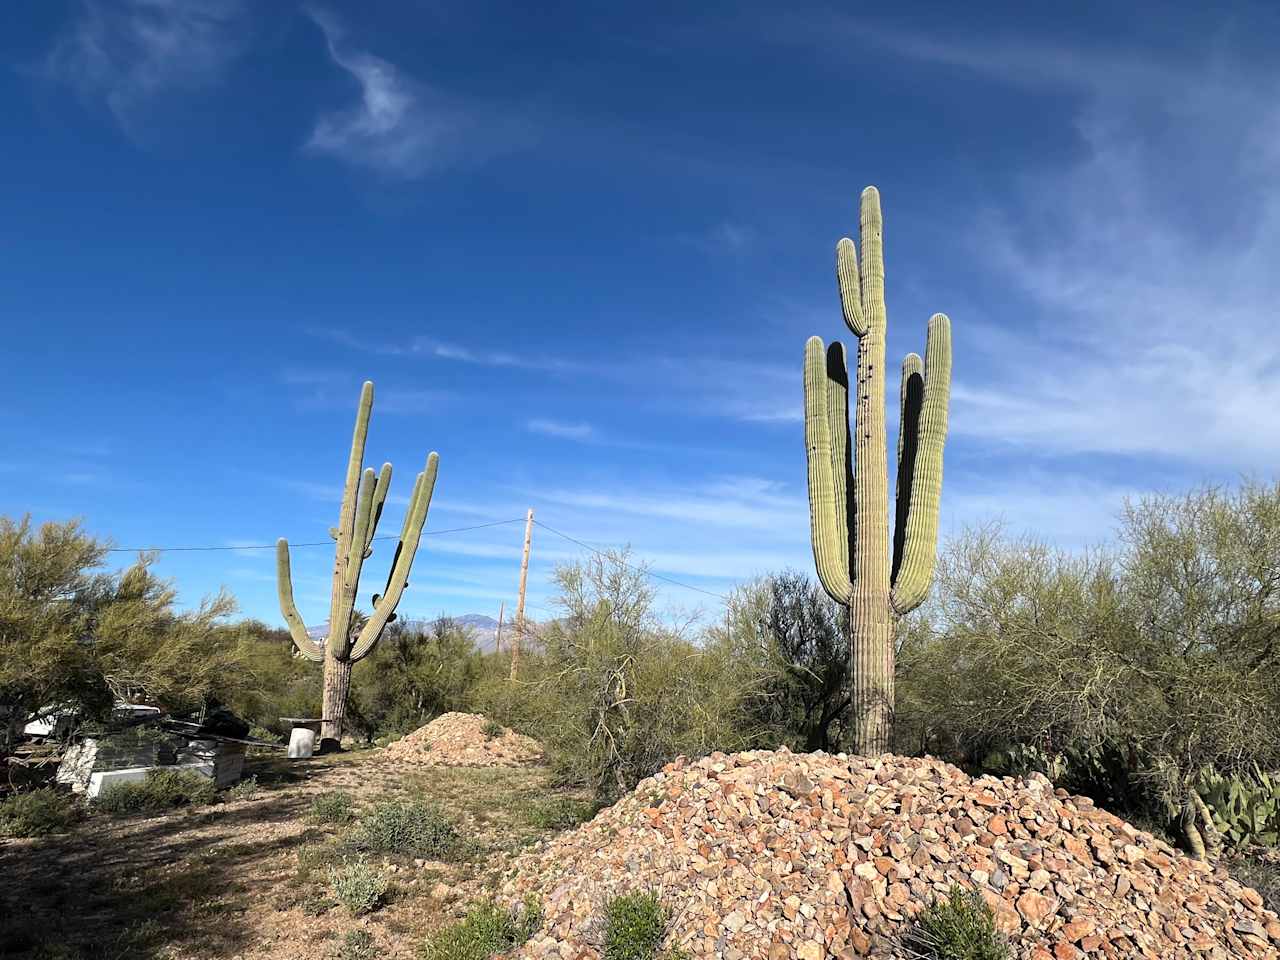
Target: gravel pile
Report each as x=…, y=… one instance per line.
x=460, y=740
x=779, y=855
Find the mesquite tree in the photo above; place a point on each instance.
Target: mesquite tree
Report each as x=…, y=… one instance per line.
x=848, y=481
x=363, y=498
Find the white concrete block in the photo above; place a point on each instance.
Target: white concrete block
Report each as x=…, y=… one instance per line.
x=109, y=778
x=302, y=743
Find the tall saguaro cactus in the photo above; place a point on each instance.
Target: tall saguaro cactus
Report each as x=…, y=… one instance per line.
x=848, y=481
x=363, y=498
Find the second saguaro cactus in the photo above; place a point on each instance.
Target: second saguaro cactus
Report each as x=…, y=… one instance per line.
x=848, y=475
x=363, y=497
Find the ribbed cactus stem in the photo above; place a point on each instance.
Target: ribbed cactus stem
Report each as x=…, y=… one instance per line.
x=848, y=501
x=363, y=497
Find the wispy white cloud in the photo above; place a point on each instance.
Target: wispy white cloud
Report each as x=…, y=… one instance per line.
x=1148, y=263
x=402, y=128
x=558, y=428
x=134, y=52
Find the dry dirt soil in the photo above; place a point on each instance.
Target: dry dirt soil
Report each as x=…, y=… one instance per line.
x=225, y=881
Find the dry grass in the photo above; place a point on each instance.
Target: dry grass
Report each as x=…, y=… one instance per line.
x=228, y=880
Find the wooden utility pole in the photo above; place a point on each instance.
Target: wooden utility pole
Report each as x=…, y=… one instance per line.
x=497, y=637
x=524, y=578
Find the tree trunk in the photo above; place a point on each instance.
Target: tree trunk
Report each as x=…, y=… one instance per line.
x=337, y=681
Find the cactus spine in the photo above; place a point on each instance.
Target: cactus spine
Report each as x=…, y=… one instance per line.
x=363, y=497
x=848, y=482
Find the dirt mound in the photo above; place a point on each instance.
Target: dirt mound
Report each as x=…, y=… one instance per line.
x=463, y=740
x=778, y=855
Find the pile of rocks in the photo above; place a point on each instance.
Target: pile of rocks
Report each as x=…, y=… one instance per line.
x=461, y=740
x=778, y=855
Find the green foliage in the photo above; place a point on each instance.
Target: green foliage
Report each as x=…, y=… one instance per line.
x=802, y=636
x=333, y=806
x=357, y=945
x=635, y=925
x=613, y=691
x=559, y=812
x=74, y=636
x=1126, y=673
x=246, y=789
x=37, y=813
x=409, y=827
x=1246, y=807
x=491, y=729
x=487, y=930
x=163, y=789
x=358, y=886
x=413, y=676
x=961, y=927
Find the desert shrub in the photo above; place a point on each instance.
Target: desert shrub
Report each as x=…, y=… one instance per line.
x=800, y=639
x=357, y=945
x=75, y=635
x=163, y=789
x=613, y=691
x=635, y=925
x=315, y=856
x=960, y=927
x=37, y=813
x=358, y=886
x=408, y=826
x=486, y=930
x=416, y=673
x=491, y=729
x=559, y=812
x=333, y=806
x=1129, y=674
x=246, y=789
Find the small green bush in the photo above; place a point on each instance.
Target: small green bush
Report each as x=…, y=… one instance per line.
x=314, y=856
x=961, y=927
x=408, y=826
x=246, y=789
x=358, y=886
x=635, y=925
x=357, y=945
x=487, y=930
x=36, y=813
x=336, y=806
x=559, y=813
x=492, y=728
x=163, y=790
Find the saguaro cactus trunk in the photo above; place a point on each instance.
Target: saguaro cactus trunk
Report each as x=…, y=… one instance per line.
x=363, y=497
x=848, y=481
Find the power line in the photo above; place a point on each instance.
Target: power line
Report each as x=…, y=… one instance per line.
x=316, y=543
x=433, y=533
x=645, y=571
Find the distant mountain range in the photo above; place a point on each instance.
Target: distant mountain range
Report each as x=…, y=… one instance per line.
x=483, y=628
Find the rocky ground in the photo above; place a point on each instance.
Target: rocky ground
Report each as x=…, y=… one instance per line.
x=462, y=740
x=768, y=855
x=778, y=855
x=225, y=882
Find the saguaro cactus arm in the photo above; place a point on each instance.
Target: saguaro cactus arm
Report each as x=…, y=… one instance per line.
x=385, y=605
x=830, y=537
x=297, y=628
x=925, y=434
x=379, y=501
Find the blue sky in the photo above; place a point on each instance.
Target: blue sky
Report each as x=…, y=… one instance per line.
x=579, y=251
